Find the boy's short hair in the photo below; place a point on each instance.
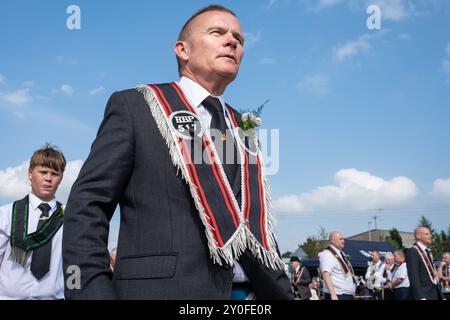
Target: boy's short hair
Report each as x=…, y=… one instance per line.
x=48, y=156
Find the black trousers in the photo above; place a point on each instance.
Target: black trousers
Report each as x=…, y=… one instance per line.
x=402, y=294
x=388, y=294
x=377, y=295
x=340, y=296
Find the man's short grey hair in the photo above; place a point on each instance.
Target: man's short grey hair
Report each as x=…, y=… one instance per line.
x=446, y=254
x=186, y=30
x=400, y=252
x=388, y=255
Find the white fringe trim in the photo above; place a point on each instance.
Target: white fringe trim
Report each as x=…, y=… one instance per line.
x=236, y=245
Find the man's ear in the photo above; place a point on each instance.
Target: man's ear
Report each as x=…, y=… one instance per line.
x=30, y=174
x=181, y=49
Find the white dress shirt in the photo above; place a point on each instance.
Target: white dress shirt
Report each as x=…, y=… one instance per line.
x=16, y=281
x=342, y=282
x=377, y=271
x=195, y=93
x=401, y=272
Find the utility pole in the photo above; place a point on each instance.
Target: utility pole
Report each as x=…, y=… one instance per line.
x=370, y=233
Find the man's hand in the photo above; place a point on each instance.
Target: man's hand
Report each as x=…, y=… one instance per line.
x=334, y=297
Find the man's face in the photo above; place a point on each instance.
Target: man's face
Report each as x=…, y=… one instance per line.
x=389, y=261
x=44, y=182
x=294, y=265
x=446, y=259
x=338, y=241
x=375, y=257
x=424, y=235
x=214, y=46
x=398, y=258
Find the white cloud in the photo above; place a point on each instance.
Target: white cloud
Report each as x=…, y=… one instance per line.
x=446, y=62
x=404, y=36
x=18, y=98
x=252, y=38
x=317, y=6
x=270, y=4
x=70, y=175
x=29, y=84
x=96, y=91
x=352, y=48
x=316, y=84
x=446, y=66
x=14, y=182
x=441, y=190
x=267, y=60
x=2, y=79
x=395, y=10
x=67, y=89
x=355, y=190
x=66, y=60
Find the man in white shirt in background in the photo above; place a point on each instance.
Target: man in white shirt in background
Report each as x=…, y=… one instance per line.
x=444, y=275
x=30, y=260
x=399, y=279
x=374, y=275
x=337, y=271
x=389, y=264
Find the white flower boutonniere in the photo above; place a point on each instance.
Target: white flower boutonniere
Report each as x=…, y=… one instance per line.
x=252, y=119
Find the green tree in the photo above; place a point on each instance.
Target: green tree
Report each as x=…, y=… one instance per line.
x=287, y=254
x=424, y=222
x=446, y=240
x=315, y=244
x=395, y=239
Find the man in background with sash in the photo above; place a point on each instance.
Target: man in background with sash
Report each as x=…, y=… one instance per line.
x=185, y=221
x=389, y=264
x=399, y=283
x=300, y=280
x=31, y=234
x=421, y=270
x=444, y=275
x=337, y=271
x=374, y=275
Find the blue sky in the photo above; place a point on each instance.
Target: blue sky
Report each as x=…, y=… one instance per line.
x=363, y=114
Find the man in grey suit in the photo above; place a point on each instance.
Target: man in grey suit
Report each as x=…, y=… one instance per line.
x=183, y=224
x=421, y=270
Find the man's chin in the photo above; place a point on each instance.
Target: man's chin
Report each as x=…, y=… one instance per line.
x=228, y=73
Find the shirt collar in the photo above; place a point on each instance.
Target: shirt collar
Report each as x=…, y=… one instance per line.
x=196, y=93
x=421, y=245
x=336, y=249
x=35, y=202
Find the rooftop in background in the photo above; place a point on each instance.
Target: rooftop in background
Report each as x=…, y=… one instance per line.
x=379, y=235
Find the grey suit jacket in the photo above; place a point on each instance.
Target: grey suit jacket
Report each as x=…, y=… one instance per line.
x=162, y=249
x=420, y=283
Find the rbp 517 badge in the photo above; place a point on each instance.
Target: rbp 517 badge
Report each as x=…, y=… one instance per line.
x=185, y=124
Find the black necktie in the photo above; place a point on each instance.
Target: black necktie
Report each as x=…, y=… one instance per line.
x=40, y=262
x=218, y=122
